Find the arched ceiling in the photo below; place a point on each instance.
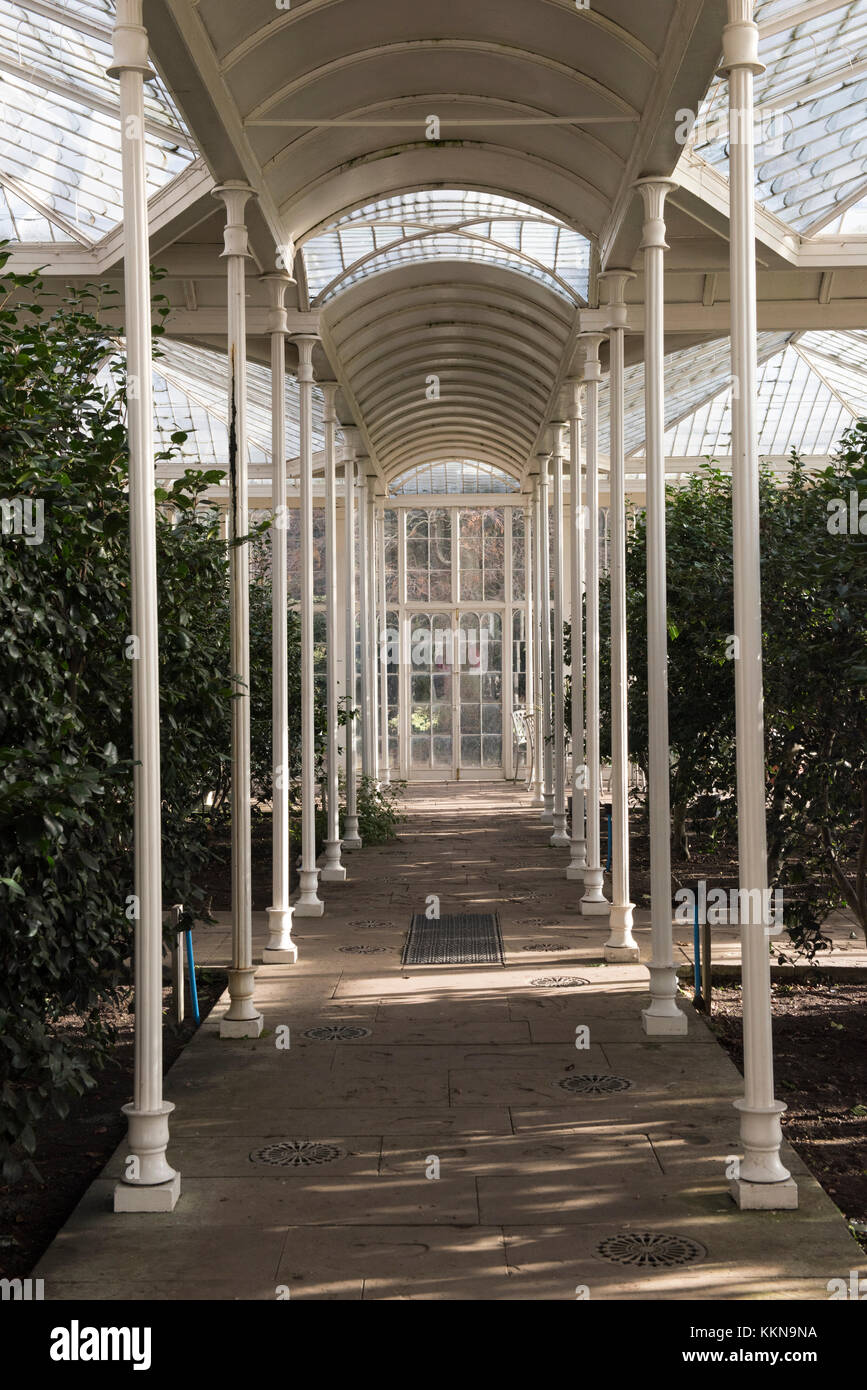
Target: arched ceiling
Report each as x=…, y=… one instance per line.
x=445, y=357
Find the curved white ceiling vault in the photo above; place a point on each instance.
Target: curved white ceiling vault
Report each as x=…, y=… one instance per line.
x=324, y=109
x=468, y=258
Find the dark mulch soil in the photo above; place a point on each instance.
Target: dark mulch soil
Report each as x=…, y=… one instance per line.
x=820, y=1059
x=71, y=1153
x=215, y=879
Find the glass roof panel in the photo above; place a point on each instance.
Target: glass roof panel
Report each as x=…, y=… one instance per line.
x=453, y=476
x=191, y=394
x=811, y=117
x=692, y=375
x=449, y=225
x=59, y=124
x=796, y=409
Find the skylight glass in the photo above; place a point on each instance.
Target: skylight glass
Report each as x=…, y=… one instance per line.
x=191, y=394
x=811, y=126
x=448, y=225
x=60, y=143
x=456, y=475
x=797, y=409
x=692, y=375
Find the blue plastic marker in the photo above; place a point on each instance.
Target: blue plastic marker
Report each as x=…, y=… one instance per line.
x=191, y=971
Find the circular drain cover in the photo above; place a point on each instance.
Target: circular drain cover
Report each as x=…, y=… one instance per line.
x=364, y=950
x=557, y=982
x=649, y=1250
x=368, y=924
x=546, y=946
x=336, y=1032
x=297, y=1153
x=595, y=1084
x=532, y=922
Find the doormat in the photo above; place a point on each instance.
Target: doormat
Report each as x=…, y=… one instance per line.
x=460, y=938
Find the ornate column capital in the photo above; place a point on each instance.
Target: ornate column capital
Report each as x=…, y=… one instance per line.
x=329, y=390
x=615, y=285
x=653, y=194
x=277, y=282
x=592, y=367
x=129, y=42
x=235, y=194
x=740, y=40
x=305, y=342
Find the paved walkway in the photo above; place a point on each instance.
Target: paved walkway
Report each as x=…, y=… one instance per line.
x=462, y=1071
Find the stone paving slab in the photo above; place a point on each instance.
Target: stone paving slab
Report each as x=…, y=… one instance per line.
x=462, y=1065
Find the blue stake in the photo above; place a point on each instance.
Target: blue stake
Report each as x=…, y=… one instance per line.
x=696, y=951
x=191, y=971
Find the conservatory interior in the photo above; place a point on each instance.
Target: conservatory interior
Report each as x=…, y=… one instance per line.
x=455, y=293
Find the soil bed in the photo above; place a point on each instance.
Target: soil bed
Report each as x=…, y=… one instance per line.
x=820, y=1064
x=71, y=1153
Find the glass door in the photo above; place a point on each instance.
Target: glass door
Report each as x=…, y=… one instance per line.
x=479, y=692
x=431, y=696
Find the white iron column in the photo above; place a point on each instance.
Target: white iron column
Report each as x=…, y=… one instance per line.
x=333, y=870
x=281, y=949
x=559, y=838
x=351, y=838
x=578, y=844
x=593, y=903
x=545, y=727
x=621, y=944
x=382, y=647
x=663, y=1016
x=364, y=600
x=371, y=637
x=533, y=783
x=536, y=638
x=763, y=1181
x=309, y=903
x=241, y=1019
x=149, y=1183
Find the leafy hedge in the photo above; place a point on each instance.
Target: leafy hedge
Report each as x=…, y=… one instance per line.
x=814, y=619
x=65, y=697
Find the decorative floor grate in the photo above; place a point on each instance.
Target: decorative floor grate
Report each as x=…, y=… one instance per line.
x=460, y=938
x=650, y=1250
x=558, y=982
x=297, y=1153
x=364, y=950
x=336, y=1032
x=595, y=1084
x=370, y=924
x=547, y=946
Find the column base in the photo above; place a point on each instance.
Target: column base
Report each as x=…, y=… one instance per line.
x=280, y=955
x=578, y=860
x=351, y=838
x=162, y=1196
x=281, y=949
x=761, y=1136
x=547, y=817
x=242, y=1027
x=672, y=1025
x=147, y=1141
x=241, y=1020
x=332, y=870
x=663, y=1017
x=621, y=944
x=621, y=955
x=765, y=1196
x=594, y=903
x=560, y=839
x=309, y=904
